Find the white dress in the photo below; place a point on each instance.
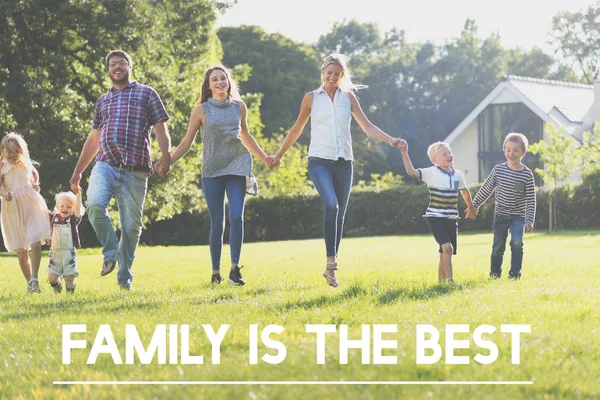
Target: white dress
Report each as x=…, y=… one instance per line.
x=24, y=219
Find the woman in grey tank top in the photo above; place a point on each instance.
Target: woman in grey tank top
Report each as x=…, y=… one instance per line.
x=226, y=162
x=330, y=109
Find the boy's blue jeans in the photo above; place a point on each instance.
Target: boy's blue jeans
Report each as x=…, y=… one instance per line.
x=501, y=226
x=214, y=191
x=129, y=189
x=333, y=180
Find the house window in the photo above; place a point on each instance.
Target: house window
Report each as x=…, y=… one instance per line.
x=498, y=120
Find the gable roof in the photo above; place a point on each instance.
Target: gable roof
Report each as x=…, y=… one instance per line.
x=565, y=103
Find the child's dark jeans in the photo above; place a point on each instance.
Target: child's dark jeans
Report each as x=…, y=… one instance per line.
x=502, y=225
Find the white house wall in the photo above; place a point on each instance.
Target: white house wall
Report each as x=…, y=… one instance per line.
x=465, y=149
x=506, y=97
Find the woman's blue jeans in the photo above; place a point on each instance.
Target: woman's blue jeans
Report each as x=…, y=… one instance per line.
x=214, y=191
x=501, y=226
x=333, y=180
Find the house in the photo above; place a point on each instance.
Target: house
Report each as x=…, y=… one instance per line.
x=525, y=105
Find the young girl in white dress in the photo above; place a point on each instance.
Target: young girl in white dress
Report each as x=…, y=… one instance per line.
x=24, y=214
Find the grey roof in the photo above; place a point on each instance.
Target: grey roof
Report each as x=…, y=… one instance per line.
x=573, y=100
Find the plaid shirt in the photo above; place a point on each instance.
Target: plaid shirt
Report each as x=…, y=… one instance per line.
x=125, y=119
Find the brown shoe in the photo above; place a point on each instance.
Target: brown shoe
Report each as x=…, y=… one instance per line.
x=107, y=268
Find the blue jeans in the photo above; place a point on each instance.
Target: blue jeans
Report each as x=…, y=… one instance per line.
x=333, y=180
x=214, y=191
x=129, y=189
x=502, y=225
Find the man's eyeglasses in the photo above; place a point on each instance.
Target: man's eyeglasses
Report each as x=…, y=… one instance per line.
x=118, y=64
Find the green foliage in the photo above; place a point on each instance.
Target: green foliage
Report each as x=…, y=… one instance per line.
x=577, y=37
x=558, y=154
x=380, y=182
x=589, y=152
x=374, y=212
x=282, y=70
x=291, y=178
x=359, y=41
x=177, y=193
x=52, y=72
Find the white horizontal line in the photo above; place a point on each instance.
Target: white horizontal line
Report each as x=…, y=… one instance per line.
x=293, y=382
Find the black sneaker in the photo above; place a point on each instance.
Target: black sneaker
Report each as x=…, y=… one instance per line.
x=514, y=277
x=235, y=277
x=71, y=290
x=216, y=278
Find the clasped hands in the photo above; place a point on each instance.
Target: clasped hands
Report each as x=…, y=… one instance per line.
x=273, y=161
x=471, y=213
x=163, y=166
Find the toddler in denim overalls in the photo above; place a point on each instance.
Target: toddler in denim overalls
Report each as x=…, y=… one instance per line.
x=64, y=221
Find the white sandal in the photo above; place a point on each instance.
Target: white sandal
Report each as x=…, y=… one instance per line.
x=331, y=280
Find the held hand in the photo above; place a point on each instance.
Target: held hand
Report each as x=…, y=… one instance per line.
x=403, y=146
x=471, y=213
x=398, y=143
x=163, y=166
x=76, y=189
x=273, y=161
x=158, y=167
x=7, y=196
x=74, y=182
x=528, y=227
x=269, y=161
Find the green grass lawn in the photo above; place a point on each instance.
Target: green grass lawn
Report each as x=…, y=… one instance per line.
x=383, y=280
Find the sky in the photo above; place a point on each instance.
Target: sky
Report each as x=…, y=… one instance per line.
x=520, y=23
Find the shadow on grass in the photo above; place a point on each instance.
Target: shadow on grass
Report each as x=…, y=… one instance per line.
x=384, y=297
x=77, y=306
x=424, y=292
x=354, y=290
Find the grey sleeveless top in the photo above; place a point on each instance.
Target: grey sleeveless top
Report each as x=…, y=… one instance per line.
x=222, y=150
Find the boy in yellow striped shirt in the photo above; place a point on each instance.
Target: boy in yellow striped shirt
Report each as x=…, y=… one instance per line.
x=444, y=183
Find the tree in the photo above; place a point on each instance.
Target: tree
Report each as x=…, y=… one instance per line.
x=577, y=37
x=282, y=70
x=589, y=152
x=52, y=71
x=361, y=42
x=559, y=156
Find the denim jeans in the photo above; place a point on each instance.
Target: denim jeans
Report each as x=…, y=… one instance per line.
x=502, y=225
x=129, y=189
x=333, y=180
x=214, y=191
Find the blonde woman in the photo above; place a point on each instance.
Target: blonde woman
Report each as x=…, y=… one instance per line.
x=331, y=108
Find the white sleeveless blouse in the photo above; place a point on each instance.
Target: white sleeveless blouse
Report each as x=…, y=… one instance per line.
x=330, y=126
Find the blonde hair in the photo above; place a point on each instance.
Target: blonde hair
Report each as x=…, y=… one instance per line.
x=67, y=196
x=345, y=81
x=517, y=138
x=71, y=198
x=434, y=147
x=12, y=143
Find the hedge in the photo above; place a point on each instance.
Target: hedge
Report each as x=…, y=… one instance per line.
x=396, y=211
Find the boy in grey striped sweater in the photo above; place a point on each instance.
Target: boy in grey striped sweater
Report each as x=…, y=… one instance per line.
x=514, y=210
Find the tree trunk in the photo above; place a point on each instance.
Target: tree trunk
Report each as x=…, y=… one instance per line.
x=551, y=213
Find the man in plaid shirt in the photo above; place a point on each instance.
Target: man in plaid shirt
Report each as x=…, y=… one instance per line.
x=120, y=141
